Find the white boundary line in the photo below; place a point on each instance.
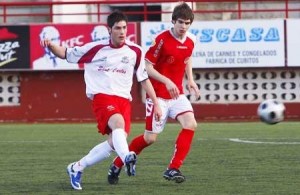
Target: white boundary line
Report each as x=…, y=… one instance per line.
x=261, y=142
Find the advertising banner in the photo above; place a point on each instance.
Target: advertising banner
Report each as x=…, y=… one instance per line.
x=230, y=44
x=149, y=30
x=293, y=42
x=14, y=47
x=68, y=35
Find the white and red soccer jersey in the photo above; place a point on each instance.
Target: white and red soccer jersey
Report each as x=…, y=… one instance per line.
x=108, y=69
x=169, y=56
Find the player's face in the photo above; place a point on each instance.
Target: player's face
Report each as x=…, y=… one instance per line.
x=181, y=26
x=118, y=33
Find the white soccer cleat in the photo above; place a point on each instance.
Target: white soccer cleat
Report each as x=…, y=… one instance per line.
x=75, y=177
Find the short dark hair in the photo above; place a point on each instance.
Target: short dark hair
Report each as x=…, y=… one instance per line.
x=183, y=11
x=116, y=16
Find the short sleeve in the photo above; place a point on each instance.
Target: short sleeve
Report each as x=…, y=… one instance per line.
x=74, y=54
x=141, y=72
x=153, y=53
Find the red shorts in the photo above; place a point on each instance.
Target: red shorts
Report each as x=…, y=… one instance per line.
x=104, y=106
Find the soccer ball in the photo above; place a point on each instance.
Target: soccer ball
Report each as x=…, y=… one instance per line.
x=271, y=111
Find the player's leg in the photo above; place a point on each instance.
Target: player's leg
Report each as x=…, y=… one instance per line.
x=107, y=119
x=118, y=138
x=113, y=116
x=153, y=128
x=95, y=155
x=119, y=141
x=121, y=147
x=100, y=151
x=136, y=145
x=183, y=112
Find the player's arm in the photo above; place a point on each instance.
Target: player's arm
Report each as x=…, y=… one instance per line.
x=147, y=86
x=57, y=50
x=171, y=87
x=192, y=86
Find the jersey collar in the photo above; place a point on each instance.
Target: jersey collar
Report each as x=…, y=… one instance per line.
x=112, y=46
x=180, y=40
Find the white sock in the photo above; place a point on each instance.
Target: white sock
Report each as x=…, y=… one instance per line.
x=120, y=143
x=96, y=155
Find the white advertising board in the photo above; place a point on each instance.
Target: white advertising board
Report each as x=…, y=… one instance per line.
x=230, y=44
x=293, y=42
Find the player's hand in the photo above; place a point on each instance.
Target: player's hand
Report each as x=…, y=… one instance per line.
x=173, y=90
x=157, y=112
x=193, y=89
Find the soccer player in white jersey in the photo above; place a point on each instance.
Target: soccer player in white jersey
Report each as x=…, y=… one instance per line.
x=167, y=60
x=109, y=68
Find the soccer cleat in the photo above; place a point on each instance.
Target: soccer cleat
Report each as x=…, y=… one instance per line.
x=174, y=175
x=75, y=177
x=130, y=161
x=113, y=174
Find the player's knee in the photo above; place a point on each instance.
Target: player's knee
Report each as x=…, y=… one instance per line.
x=150, y=138
x=192, y=124
x=116, y=121
x=117, y=124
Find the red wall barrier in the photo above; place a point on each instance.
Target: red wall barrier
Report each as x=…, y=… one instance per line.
x=59, y=96
x=56, y=97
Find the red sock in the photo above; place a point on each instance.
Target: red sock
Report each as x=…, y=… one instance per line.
x=182, y=148
x=136, y=145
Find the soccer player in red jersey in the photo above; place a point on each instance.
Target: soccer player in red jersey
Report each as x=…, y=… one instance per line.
x=167, y=61
x=109, y=68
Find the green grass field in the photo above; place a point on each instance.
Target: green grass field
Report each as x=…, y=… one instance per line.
x=262, y=159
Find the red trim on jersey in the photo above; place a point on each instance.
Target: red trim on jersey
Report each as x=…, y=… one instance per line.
x=138, y=52
x=90, y=54
x=113, y=46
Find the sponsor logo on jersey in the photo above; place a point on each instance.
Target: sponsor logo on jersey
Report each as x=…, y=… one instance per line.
x=170, y=59
x=110, y=108
x=103, y=69
x=125, y=60
x=116, y=70
x=182, y=47
x=161, y=42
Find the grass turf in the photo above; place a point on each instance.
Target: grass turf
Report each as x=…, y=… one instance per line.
x=33, y=160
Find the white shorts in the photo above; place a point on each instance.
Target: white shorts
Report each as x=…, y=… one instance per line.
x=170, y=108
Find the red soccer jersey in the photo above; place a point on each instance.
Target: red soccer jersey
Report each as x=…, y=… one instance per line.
x=169, y=56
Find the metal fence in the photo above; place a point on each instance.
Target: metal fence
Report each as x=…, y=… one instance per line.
x=68, y=11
